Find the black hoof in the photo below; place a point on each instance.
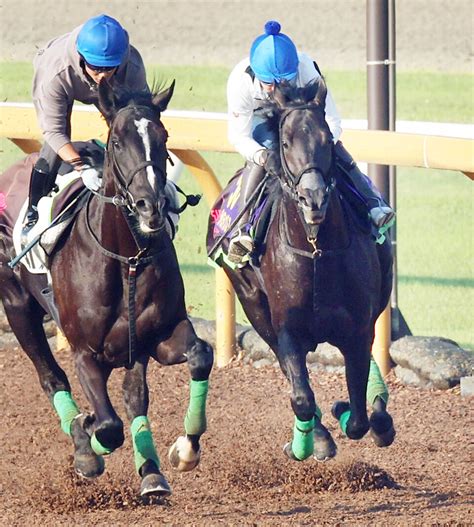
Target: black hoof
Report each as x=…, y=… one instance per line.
x=87, y=463
x=381, y=429
x=288, y=451
x=155, y=485
x=89, y=466
x=324, y=446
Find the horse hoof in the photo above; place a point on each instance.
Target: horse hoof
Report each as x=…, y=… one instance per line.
x=383, y=439
x=381, y=429
x=182, y=456
x=288, y=451
x=155, y=485
x=324, y=448
x=89, y=466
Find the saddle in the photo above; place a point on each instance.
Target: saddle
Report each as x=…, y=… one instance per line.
x=226, y=210
x=60, y=206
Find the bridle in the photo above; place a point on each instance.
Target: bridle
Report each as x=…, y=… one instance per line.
x=294, y=179
x=124, y=198
x=291, y=181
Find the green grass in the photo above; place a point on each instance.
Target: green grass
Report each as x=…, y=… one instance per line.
x=435, y=208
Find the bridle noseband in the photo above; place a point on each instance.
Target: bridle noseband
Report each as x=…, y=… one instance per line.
x=289, y=176
x=124, y=198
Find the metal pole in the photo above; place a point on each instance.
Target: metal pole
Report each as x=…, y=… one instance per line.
x=379, y=119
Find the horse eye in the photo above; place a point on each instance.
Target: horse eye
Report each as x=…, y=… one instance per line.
x=285, y=145
x=116, y=144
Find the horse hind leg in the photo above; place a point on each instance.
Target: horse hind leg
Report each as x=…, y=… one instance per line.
x=382, y=430
x=25, y=317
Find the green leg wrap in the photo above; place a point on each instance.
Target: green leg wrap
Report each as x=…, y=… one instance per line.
x=303, y=439
x=318, y=414
x=376, y=386
x=98, y=448
x=143, y=446
x=195, y=420
x=343, y=420
x=66, y=409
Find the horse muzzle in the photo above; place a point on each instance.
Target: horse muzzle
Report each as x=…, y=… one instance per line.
x=313, y=197
x=151, y=216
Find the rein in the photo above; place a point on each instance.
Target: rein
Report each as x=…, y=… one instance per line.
x=125, y=201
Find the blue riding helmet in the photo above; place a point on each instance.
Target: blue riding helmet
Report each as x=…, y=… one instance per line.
x=273, y=56
x=102, y=42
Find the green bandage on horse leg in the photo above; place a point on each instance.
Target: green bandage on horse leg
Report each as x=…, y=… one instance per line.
x=318, y=414
x=99, y=449
x=376, y=386
x=143, y=446
x=195, y=420
x=66, y=408
x=343, y=418
x=303, y=439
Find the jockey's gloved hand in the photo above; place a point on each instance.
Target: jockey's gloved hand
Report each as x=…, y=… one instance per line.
x=91, y=177
x=272, y=162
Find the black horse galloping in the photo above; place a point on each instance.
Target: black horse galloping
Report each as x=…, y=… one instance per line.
x=317, y=278
x=120, y=298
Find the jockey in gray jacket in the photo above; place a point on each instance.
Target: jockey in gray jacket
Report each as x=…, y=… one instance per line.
x=69, y=68
x=273, y=58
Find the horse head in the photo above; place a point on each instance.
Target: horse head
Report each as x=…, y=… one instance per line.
x=135, y=168
x=306, y=147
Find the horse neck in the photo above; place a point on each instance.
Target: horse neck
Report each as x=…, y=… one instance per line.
x=109, y=225
x=332, y=234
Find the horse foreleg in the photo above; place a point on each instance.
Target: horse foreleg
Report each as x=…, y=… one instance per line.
x=310, y=436
x=185, y=453
x=352, y=416
x=106, y=429
x=382, y=430
x=147, y=462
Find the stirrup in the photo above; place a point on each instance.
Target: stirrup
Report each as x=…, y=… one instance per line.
x=240, y=246
x=382, y=215
x=31, y=218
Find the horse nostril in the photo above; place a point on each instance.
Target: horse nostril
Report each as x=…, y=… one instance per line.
x=141, y=204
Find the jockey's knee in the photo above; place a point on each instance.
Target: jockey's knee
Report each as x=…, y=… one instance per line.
x=200, y=360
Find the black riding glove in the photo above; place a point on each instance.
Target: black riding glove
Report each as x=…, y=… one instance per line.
x=272, y=162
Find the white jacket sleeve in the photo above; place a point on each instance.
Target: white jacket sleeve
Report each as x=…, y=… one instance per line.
x=240, y=106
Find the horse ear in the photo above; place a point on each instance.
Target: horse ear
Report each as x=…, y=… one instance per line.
x=320, y=97
x=279, y=96
x=161, y=99
x=107, y=104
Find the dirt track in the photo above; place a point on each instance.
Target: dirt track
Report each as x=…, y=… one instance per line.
x=424, y=478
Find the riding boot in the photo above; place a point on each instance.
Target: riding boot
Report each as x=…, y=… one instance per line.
x=40, y=183
x=241, y=243
x=379, y=211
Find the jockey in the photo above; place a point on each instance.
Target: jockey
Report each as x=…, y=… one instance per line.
x=70, y=68
x=273, y=58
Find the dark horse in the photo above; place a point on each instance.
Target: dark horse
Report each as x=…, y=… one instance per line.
x=317, y=278
x=120, y=298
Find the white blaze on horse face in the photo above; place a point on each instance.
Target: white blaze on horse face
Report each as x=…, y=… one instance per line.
x=142, y=129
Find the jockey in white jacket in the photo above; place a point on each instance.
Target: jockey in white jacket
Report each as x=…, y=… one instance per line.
x=273, y=58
